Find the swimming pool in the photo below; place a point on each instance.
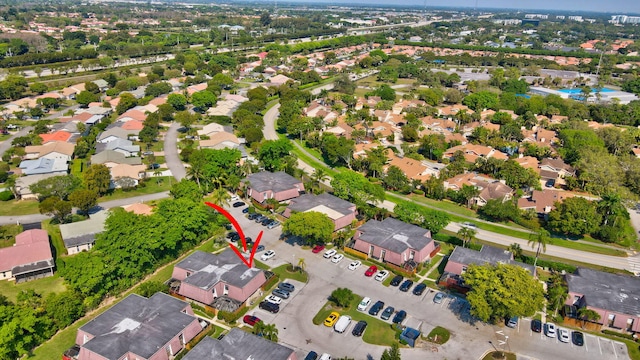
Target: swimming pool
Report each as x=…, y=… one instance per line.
x=577, y=91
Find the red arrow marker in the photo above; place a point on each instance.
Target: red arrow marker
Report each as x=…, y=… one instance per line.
x=238, y=228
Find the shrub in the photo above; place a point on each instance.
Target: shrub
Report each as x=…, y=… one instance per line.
x=6, y=195
x=621, y=335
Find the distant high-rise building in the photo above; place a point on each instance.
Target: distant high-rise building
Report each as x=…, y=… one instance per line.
x=624, y=19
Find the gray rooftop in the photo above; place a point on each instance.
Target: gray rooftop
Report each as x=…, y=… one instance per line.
x=83, y=232
x=606, y=291
x=487, y=255
x=43, y=166
x=238, y=345
x=138, y=325
x=309, y=201
x=277, y=181
x=395, y=235
x=116, y=157
x=209, y=269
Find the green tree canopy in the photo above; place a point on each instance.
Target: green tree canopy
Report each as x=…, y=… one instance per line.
x=430, y=219
x=501, y=291
x=575, y=216
x=59, y=186
x=311, y=226
x=84, y=199
x=97, y=178
x=355, y=187
x=273, y=152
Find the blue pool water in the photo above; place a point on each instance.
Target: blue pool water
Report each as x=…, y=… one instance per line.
x=578, y=91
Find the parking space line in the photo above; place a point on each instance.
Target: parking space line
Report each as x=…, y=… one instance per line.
x=600, y=346
x=614, y=349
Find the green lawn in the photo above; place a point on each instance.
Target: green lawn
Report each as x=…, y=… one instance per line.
x=77, y=166
x=439, y=335
x=19, y=207
x=56, y=237
x=9, y=233
x=285, y=274
x=437, y=272
x=43, y=286
x=498, y=355
x=153, y=185
x=378, y=332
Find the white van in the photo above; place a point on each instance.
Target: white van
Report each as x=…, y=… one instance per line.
x=342, y=324
x=364, y=303
x=325, y=356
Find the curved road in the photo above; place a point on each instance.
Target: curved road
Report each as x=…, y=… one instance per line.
x=171, y=155
x=624, y=263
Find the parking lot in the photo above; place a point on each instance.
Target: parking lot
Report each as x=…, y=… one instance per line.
x=469, y=338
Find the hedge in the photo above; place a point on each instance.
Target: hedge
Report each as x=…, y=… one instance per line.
x=6, y=195
x=621, y=335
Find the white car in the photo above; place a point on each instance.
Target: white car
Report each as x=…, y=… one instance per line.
x=550, y=330
x=274, y=299
x=563, y=335
x=330, y=253
x=364, y=303
x=381, y=275
x=337, y=258
x=235, y=198
x=268, y=255
x=354, y=265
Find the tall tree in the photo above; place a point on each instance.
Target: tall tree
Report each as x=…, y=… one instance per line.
x=587, y=314
x=97, y=178
x=540, y=238
x=392, y=353
x=467, y=234
x=311, y=226
x=84, y=200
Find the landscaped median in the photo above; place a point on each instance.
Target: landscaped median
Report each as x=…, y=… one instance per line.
x=378, y=332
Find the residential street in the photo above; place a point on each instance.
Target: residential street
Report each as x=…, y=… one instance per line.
x=171, y=155
x=5, y=145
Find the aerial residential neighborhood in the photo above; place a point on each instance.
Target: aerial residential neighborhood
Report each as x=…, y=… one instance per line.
x=292, y=181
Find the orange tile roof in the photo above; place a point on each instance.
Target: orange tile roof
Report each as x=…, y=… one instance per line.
x=55, y=136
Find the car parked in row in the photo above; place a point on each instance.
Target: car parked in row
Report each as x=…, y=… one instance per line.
x=268, y=255
x=312, y=355
x=396, y=280
x=331, y=319
x=273, y=224
x=375, y=309
x=550, y=329
x=329, y=253
x=399, y=318
x=366, y=301
x=281, y=293
x=419, y=289
x=438, y=298
x=358, y=330
x=288, y=287
x=274, y=299
x=251, y=320
x=381, y=275
x=512, y=322
x=536, y=325
x=406, y=285
x=386, y=314
x=337, y=258
x=563, y=335
x=318, y=248
x=238, y=204
x=577, y=338
x=354, y=265
x=270, y=307
x=371, y=270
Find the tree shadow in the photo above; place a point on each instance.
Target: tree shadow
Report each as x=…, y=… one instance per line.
x=461, y=309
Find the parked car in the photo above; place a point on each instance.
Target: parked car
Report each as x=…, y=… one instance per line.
x=266, y=222
x=147, y=153
x=512, y=322
x=288, y=287
x=331, y=319
x=280, y=293
x=375, y=309
x=238, y=204
x=268, y=255
x=270, y=307
x=325, y=356
x=355, y=264
x=358, y=330
x=419, y=289
x=399, y=318
x=381, y=275
x=154, y=166
x=396, y=280
x=329, y=253
x=563, y=335
x=550, y=329
x=251, y=320
x=273, y=224
x=371, y=270
x=577, y=338
x=274, y=299
x=342, y=324
x=317, y=249
x=337, y=258
x=260, y=248
x=366, y=301
x=469, y=225
x=245, y=210
x=438, y=298
x=235, y=197
x=252, y=216
x=231, y=234
x=406, y=285
x=386, y=314
x=260, y=218
x=536, y=325
x=312, y=355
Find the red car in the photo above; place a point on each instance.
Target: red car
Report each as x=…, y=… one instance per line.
x=371, y=270
x=317, y=249
x=251, y=320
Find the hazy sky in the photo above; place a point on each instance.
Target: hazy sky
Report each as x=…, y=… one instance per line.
x=617, y=6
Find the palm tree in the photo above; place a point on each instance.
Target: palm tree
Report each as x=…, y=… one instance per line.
x=195, y=172
x=588, y=315
x=542, y=238
x=157, y=173
x=556, y=291
x=302, y=264
x=220, y=196
x=319, y=176
x=516, y=250
x=270, y=332
x=467, y=234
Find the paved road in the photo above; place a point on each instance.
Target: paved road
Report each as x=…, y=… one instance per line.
x=615, y=262
x=270, y=118
x=5, y=145
x=27, y=219
x=171, y=153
